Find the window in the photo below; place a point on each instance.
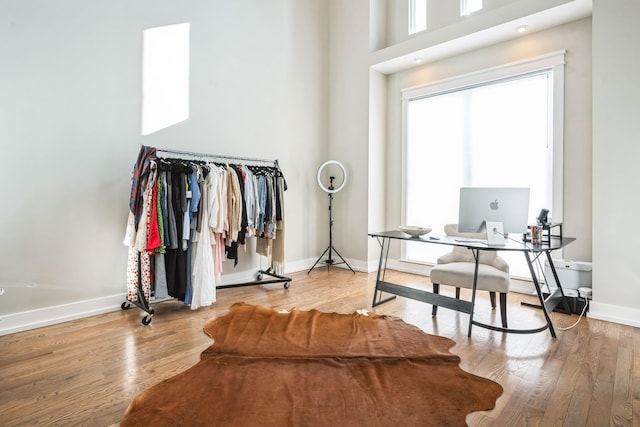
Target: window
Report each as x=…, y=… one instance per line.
x=493, y=129
x=417, y=16
x=467, y=7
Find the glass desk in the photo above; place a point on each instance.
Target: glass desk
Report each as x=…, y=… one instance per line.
x=531, y=253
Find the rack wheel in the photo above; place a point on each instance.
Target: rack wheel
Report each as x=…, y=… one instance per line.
x=125, y=305
x=147, y=319
x=259, y=276
x=286, y=285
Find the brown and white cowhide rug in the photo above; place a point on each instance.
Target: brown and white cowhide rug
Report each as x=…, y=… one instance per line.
x=308, y=368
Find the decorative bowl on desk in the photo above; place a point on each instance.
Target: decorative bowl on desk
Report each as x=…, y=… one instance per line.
x=414, y=231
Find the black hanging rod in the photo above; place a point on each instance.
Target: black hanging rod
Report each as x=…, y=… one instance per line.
x=218, y=157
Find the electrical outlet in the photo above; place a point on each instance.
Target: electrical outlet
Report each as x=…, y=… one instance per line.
x=585, y=292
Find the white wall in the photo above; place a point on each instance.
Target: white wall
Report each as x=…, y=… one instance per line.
x=348, y=124
x=616, y=150
x=70, y=130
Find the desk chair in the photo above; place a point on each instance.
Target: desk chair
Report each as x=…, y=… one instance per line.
x=457, y=267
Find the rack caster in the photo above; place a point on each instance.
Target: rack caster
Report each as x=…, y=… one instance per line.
x=147, y=319
x=286, y=285
x=125, y=305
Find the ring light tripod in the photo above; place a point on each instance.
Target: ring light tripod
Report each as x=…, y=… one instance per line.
x=330, y=190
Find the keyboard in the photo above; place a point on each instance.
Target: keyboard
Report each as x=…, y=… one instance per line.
x=470, y=240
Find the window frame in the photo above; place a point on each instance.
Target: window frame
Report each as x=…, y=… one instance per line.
x=553, y=61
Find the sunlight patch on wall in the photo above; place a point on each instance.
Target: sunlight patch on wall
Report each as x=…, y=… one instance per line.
x=165, y=77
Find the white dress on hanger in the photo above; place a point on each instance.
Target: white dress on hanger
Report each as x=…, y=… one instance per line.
x=219, y=222
x=203, y=281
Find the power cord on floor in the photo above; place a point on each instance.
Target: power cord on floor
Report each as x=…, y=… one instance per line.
x=586, y=294
x=583, y=292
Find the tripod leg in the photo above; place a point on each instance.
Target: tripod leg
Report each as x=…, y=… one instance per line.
x=337, y=253
x=318, y=260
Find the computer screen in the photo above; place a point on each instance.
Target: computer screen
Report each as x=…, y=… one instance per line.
x=507, y=205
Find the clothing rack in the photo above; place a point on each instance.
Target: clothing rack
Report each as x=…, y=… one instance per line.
x=199, y=156
x=269, y=272
x=143, y=302
x=217, y=156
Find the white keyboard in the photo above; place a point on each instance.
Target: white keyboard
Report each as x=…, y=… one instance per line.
x=470, y=240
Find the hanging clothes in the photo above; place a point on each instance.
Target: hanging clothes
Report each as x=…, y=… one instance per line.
x=187, y=216
x=176, y=255
x=138, y=275
x=249, y=200
x=139, y=177
x=277, y=257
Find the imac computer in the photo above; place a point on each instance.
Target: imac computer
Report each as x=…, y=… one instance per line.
x=510, y=206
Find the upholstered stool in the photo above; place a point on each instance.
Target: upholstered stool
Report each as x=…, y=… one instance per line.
x=457, y=267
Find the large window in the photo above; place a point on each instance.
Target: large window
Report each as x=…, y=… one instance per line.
x=493, y=129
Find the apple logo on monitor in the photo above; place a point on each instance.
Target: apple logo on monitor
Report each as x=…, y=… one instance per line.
x=494, y=205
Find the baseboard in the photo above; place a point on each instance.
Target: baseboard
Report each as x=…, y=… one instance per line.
x=22, y=321
x=32, y=319
x=607, y=312
x=408, y=267
x=356, y=265
x=613, y=313
x=610, y=313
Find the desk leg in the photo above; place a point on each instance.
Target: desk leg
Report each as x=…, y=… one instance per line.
x=382, y=268
x=557, y=279
x=476, y=255
x=534, y=277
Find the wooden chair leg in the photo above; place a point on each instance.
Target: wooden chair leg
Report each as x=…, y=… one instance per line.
x=492, y=296
x=436, y=290
x=503, y=309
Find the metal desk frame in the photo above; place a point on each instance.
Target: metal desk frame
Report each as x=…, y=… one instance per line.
x=531, y=253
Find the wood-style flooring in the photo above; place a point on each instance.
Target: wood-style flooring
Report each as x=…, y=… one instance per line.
x=86, y=372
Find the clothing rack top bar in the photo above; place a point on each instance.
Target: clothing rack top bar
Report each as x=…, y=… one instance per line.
x=217, y=156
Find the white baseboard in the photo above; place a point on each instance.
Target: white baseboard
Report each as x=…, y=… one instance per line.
x=408, y=267
x=307, y=264
x=613, y=313
x=46, y=316
x=22, y=321
x=610, y=313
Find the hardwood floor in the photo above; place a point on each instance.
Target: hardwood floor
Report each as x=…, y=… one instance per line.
x=86, y=372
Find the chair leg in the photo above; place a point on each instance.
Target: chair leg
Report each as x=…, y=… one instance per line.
x=457, y=293
x=492, y=296
x=503, y=309
x=436, y=290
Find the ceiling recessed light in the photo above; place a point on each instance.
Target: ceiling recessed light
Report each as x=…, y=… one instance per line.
x=522, y=28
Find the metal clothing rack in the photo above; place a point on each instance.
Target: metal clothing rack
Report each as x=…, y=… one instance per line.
x=218, y=156
x=143, y=303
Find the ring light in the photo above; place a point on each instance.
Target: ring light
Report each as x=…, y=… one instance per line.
x=330, y=190
x=344, y=176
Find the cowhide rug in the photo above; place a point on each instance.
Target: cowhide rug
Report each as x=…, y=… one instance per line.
x=308, y=368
